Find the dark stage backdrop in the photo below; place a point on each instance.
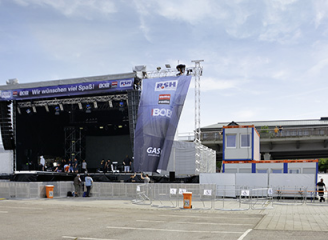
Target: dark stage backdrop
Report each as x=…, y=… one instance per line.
x=114, y=148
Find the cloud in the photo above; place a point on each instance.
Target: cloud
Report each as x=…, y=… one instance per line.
x=87, y=9
x=212, y=84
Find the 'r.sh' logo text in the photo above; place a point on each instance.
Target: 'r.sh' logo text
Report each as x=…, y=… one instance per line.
x=167, y=85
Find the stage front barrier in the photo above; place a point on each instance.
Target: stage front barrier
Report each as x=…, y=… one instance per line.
x=261, y=198
x=204, y=196
x=142, y=194
x=171, y=195
x=165, y=195
x=232, y=198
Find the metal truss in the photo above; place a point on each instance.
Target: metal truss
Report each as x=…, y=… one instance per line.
x=53, y=102
x=197, y=71
x=161, y=73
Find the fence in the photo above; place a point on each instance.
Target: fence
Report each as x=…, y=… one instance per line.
x=164, y=195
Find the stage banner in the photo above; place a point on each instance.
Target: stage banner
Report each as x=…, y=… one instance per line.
x=160, y=107
x=68, y=90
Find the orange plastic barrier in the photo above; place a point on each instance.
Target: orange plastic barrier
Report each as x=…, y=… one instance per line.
x=187, y=196
x=50, y=191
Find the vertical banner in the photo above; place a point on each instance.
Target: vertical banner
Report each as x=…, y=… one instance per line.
x=161, y=103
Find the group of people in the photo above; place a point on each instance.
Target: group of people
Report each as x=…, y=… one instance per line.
x=71, y=166
x=78, y=184
x=107, y=166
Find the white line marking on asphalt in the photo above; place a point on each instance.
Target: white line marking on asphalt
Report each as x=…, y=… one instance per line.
x=241, y=218
x=25, y=208
x=172, y=230
x=3, y=211
x=85, y=238
x=244, y=234
x=200, y=223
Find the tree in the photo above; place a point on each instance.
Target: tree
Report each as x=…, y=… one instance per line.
x=323, y=164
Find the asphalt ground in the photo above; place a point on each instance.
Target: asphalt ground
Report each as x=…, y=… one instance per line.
x=95, y=219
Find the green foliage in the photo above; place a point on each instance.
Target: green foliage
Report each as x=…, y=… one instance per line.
x=264, y=129
x=323, y=164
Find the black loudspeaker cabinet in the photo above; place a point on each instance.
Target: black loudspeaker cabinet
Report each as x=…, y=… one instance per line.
x=6, y=125
x=172, y=176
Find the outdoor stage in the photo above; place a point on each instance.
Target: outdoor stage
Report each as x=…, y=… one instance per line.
x=89, y=118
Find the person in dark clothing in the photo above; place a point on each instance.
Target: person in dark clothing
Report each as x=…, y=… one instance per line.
x=321, y=188
x=127, y=163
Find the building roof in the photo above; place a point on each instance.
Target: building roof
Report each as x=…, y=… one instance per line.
x=274, y=123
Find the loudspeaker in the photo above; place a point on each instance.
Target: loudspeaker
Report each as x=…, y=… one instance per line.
x=172, y=176
x=6, y=126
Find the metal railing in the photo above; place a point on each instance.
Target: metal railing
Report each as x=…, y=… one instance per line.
x=264, y=133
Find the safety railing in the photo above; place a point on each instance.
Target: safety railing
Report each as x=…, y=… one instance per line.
x=232, y=198
x=142, y=194
x=316, y=197
x=290, y=195
x=167, y=195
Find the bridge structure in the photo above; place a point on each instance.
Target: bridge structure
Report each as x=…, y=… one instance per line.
x=295, y=139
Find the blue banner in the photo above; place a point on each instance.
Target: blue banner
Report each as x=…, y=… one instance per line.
x=161, y=103
x=67, y=90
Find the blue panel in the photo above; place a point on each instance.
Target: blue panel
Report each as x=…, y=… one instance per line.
x=223, y=167
x=252, y=143
x=253, y=167
x=223, y=147
x=285, y=167
x=316, y=175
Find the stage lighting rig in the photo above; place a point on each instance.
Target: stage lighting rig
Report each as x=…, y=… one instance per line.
x=57, y=110
x=95, y=105
x=88, y=108
x=121, y=106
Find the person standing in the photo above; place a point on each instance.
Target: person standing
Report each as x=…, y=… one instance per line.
x=146, y=178
x=321, y=187
x=109, y=166
x=88, y=184
x=84, y=166
x=77, y=184
x=127, y=163
x=42, y=162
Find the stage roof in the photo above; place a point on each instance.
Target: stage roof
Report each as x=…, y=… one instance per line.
x=68, y=81
x=68, y=87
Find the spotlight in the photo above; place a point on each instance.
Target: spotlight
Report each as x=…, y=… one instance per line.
x=28, y=111
x=46, y=107
x=181, y=68
x=61, y=107
x=34, y=109
x=80, y=105
x=121, y=106
x=167, y=65
x=95, y=105
x=57, y=110
x=110, y=103
x=18, y=110
x=88, y=108
x=120, y=126
x=159, y=68
x=101, y=127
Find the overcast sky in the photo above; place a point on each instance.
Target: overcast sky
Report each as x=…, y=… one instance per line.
x=263, y=60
